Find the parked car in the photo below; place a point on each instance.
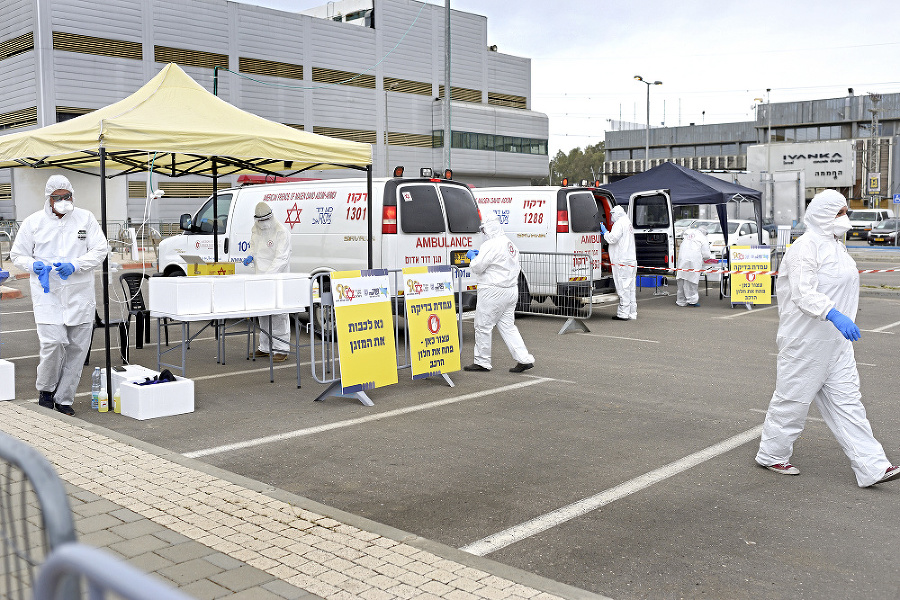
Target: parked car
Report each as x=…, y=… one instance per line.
x=681, y=225
x=862, y=221
x=740, y=233
x=797, y=230
x=885, y=233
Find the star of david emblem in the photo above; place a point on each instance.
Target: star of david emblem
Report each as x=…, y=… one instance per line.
x=296, y=218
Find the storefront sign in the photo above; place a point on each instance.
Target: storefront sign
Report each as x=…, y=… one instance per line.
x=824, y=164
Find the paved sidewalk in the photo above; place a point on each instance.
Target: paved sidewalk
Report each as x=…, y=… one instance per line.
x=215, y=534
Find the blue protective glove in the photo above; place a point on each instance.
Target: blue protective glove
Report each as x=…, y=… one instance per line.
x=603, y=229
x=248, y=260
x=37, y=267
x=844, y=324
x=64, y=269
x=471, y=253
x=44, y=277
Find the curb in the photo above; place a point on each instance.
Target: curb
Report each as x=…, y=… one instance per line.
x=8, y=293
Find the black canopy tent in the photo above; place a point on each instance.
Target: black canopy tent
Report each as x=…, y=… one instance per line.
x=686, y=186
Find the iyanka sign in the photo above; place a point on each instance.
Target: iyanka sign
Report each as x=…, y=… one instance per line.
x=751, y=288
x=431, y=320
x=824, y=164
x=365, y=332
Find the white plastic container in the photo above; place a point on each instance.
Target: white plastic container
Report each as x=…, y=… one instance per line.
x=143, y=402
x=7, y=380
x=181, y=295
x=259, y=292
x=228, y=293
x=291, y=290
x=130, y=373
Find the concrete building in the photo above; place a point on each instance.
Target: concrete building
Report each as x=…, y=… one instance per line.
x=832, y=143
x=358, y=69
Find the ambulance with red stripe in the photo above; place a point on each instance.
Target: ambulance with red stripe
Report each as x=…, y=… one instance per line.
x=417, y=222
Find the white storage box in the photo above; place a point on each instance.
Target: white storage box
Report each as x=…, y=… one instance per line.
x=158, y=400
x=181, y=295
x=7, y=380
x=228, y=293
x=130, y=374
x=291, y=290
x=259, y=292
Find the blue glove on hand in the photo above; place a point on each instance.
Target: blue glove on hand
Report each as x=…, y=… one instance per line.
x=37, y=267
x=844, y=324
x=64, y=269
x=471, y=253
x=248, y=260
x=603, y=229
x=44, y=277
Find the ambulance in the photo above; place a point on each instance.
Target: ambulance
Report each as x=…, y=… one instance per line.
x=417, y=222
x=558, y=220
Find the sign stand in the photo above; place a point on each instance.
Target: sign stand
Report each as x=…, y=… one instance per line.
x=335, y=390
x=574, y=325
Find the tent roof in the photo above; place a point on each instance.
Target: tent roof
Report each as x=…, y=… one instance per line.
x=175, y=123
x=685, y=186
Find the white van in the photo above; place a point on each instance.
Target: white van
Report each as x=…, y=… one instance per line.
x=654, y=230
x=554, y=219
x=416, y=222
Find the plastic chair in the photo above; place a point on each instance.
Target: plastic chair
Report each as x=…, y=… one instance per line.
x=123, y=336
x=131, y=285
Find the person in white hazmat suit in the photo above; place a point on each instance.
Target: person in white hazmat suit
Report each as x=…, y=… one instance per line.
x=622, y=255
x=61, y=246
x=270, y=245
x=693, y=251
x=496, y=268
x=818, y=294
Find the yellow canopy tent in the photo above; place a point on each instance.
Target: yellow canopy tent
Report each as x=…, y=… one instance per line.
x=175, y=124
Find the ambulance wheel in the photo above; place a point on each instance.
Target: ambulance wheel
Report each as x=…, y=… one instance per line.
x=523, y=304
x=566, y=303
x=174, y=272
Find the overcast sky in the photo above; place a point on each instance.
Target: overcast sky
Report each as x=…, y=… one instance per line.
x=711, y=57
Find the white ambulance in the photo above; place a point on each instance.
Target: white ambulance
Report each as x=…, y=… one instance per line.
x=416, y=222
x=559, y=220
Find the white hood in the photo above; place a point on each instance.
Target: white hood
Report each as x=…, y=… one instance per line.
x=822, y=210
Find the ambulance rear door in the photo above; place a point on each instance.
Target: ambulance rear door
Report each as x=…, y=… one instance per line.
x=654, y=229
x=582, y=240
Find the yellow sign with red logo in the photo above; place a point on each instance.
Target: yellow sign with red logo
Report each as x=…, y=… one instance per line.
x=751, y=288
x=431, y=320
x=365, y=331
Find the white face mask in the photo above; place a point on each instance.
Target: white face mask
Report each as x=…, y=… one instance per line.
x=841, y=225
x=63, y=206
x=264, y=225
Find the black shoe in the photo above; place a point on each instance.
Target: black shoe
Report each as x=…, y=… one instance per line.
x=65, y=409
x=45, y=399
x=618, y=318
x=521, y=367
x=475, y=368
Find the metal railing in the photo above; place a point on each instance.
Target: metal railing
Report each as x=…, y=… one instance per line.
x=560, y=285
x=35, y=517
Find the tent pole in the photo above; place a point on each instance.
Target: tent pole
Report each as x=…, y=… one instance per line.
x=215, y=223
x=369, y=210
x=105, y=272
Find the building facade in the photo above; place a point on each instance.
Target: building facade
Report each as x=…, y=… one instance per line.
x=843, y=143
x=359, y=69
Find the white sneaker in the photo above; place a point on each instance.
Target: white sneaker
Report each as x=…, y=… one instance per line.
x=632, y=317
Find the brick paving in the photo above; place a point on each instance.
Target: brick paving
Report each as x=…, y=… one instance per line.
x=214, y=534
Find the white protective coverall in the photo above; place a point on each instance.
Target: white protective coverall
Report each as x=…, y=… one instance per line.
x=65, y=315
x=691, y=254
x=270, y=245
x=815, y=362
x=496, y=270
x=623, y=257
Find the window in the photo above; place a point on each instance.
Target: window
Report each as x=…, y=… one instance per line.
x=583, y=213
x=651, y=212
x=462, y=211
x=203, y=222
x=420, y=209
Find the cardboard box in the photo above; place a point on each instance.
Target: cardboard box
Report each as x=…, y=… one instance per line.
x=7, y=380
x=143, y=402
x=291, y=290
x=219, y=268
x=228, y=293
x=180, y=295
x=259, y=292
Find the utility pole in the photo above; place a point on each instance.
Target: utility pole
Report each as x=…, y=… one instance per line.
x=874, y=163
x=448, y=132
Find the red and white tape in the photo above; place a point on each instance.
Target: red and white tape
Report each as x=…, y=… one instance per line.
x=728, y=272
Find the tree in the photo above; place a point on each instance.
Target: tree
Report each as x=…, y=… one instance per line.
x=577, y=165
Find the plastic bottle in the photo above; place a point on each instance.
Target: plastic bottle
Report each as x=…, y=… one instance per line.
x=95, y=388
x=103, y=401
x=117, y=401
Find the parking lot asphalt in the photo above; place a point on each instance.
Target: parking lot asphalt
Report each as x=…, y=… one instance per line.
x=621, y=464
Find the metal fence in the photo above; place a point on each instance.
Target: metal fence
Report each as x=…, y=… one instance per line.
x=561, y=285
x=35, y=517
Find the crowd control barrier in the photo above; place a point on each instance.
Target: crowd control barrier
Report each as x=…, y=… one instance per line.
x=324, y=355
x=562, y=285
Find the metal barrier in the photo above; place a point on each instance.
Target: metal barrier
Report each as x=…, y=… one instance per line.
x=560, y=285
x=324, y=355
x=29, y=486
x=103, y=573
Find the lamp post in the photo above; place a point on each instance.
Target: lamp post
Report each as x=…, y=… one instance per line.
x=647, y=142
x=387, y=141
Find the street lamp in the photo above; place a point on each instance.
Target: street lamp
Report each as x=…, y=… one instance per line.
x=647, y=143
x=387, y=141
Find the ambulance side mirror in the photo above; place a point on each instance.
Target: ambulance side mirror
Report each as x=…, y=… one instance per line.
x=185, y=222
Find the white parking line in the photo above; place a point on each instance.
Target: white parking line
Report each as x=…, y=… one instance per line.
x=892, y=325
x=350, y=422
x=759, y=410
x=20, y=330
x=17, y=312
x=92, y=349
x=618, y=337
x=749, y=312
x=504, y=538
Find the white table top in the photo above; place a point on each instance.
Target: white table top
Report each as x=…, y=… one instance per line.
x=239, y=314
